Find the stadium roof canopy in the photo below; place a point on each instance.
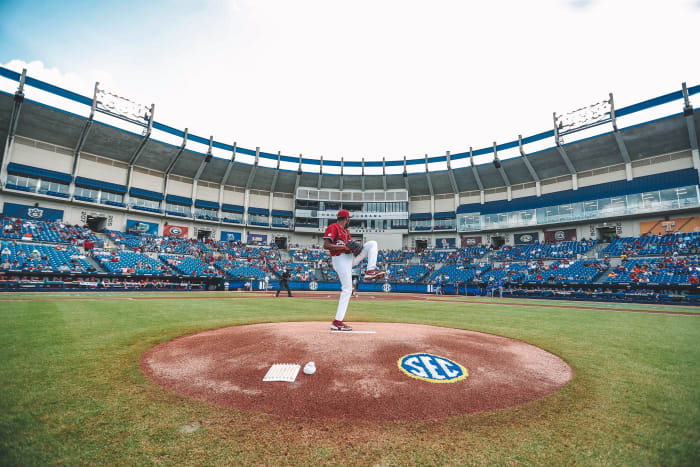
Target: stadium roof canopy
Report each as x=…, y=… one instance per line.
x=256, y=169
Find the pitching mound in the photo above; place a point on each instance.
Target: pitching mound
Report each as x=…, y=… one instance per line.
x=399, y=372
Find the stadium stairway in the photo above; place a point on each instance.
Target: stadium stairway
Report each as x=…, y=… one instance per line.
x=285, y=257
x=95, y=264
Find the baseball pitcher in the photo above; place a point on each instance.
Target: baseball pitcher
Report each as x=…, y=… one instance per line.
x=344, y=255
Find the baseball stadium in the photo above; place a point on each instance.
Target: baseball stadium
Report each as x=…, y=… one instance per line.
x=534, y=301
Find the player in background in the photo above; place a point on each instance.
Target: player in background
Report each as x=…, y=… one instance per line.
x=336, y=241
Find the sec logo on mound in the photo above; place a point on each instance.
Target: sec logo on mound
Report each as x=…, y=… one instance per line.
x=432, y=368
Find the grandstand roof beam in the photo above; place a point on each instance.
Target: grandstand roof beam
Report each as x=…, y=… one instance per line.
x=320, y=172
x=84, y=132
x=229, y=166
x=427, y=177
x=14, y=121
x=692, y=135
x=384, y=172
x=504, y=175
x=296, y=183
x=476, y=176
x=139, y=150
x=251, y=176
x=451, y=174
x=205, y=161
x=145, y=139
x=172, y=163
x=620, y=142
x=362, y=180
x=564, y=155
x=274, y=176
x=405, y=175
x=533, y=174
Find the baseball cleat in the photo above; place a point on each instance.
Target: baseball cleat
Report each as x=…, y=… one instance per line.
x=340, y=326
x=374, y=274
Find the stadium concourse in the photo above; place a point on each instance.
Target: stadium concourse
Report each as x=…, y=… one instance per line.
x=97, y=199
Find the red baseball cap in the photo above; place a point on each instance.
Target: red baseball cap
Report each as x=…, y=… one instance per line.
x=344, y=213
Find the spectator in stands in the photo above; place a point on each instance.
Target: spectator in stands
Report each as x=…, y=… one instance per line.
x=6, y=265
x=64, y=268
x=5, y=251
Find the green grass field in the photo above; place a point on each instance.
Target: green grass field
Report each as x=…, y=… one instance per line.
x=72, y=391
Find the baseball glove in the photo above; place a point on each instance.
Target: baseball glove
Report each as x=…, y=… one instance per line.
x=355, y=248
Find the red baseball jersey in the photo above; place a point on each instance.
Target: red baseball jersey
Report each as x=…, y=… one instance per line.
x=338, y=236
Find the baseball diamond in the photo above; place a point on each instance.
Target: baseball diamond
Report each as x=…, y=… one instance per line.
x=349, y=233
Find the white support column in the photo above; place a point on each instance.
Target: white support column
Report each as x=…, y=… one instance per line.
x=223, y=180
x=14, y=121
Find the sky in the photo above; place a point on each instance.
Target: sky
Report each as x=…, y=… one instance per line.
x=372, y=79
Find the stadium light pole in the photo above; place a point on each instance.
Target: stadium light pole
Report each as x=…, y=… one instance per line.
x=405, y=177
x=342, y=172
x=12, y=131
x=533, y=174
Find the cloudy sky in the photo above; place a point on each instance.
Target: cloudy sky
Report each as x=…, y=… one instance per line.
x=363, y=78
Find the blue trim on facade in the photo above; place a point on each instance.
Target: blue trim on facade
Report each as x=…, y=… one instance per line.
x=444, y=215
x=280, y=213
x=141, y=193
x=260, y=211
x=420, y=216
x=178, y=200
x=232, y=208
x=21, y=169
x=100, y=185
x=200, y=203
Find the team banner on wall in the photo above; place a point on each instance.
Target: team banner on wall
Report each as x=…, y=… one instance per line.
x=30, y=212
x=445, y=242
x=230, y=236
x=257, y=239
x=665, y=227
x=468, y=242
x=175, y=231
x=563, y=235
x=526, y=238
x=141, y=227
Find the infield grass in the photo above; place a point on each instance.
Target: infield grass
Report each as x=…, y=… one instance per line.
x=72, y=392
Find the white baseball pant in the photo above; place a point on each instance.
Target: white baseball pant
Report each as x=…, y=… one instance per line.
x=343, y=265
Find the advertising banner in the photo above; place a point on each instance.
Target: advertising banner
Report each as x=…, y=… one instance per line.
x=468, y=242
x=30, y=212
x=562, y=235
x=256, y=239
x=141, y=227
x=230, y=236
x=175, y=231
x=665, y=227
x=448, y=242
x=526, y=238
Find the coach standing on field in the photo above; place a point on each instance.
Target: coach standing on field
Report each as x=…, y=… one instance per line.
x=345, y=254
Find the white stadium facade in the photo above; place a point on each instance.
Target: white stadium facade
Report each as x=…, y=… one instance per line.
x=105, y=159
